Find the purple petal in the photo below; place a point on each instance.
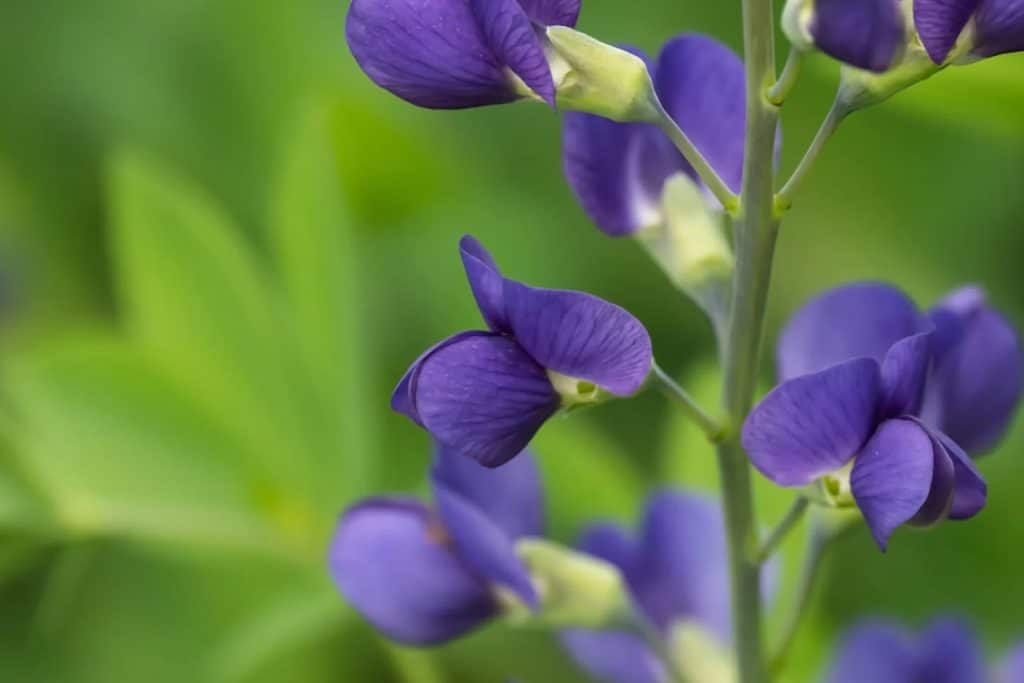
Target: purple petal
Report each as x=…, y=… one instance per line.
x=552, y=12
x=483, y=545
x=875, y=652
x=949, y=653
x=867, y=34
x=513, y=40
x=430, y=53
x=904, y=374
x=978, y=380
x=1013, y=668
x=611, y=543
x=397, y=571
x=940, y=497
x=1000, y=27
x=617, y=170
x=892, y=477
x=861, y=320
x=483, y=397
x=681, y=570
x=813, y=425
x=486, y=282
x=580, y=336
x=510, y=496
x=702, y=85
x=970, y=492
x=940, y=22
x=614, y=657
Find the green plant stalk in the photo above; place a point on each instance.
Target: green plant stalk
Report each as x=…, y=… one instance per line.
x=756, y=228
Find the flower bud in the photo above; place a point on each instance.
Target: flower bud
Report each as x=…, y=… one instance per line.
x=699, y=656
x=859, y=89
x=597, y=78
x=575, y=589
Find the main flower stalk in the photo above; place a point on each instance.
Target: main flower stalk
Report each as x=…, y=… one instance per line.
x=756, y=228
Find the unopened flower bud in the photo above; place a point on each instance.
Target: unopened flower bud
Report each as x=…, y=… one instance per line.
x=699, y=656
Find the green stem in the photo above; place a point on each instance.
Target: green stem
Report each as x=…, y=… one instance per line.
x=778, y=535
x=694, y=157
x=755, y=234
x=778, y=93
x=835, y=116
x=708, y=424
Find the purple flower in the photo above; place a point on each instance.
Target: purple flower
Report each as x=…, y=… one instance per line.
x=867, y=34
x=454, y=54
x=1013, y=668
x=998, y=26
x=853, y=366
x=676, y=569
x=946, y=652
x=427, y=574
x=485, y=394
x=618, y=171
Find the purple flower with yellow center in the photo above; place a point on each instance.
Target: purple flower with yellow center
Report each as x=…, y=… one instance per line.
x=454, y=54
x=880, y=652
x=851, y=412
x=484, y=394
x=676, y=569
x=992, y=27
x=425, y=574
x=867, y=34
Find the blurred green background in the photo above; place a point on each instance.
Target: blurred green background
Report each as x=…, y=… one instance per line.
x=220, y=246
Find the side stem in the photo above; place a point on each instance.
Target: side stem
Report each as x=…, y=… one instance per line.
x=709, y=425
x=701, y=165
x=778, y=535
x=835, y=116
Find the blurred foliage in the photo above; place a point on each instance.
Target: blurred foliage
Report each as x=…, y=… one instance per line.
x=219, y=247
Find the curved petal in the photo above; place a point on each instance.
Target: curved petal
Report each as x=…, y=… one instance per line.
x=614, y=656
x=970, y=492
x=482, y=545
x=611, y=543
x=681, y=570
x=552, y=12
x=892, y=477
x=904, y=374
x=702, y=85
x=483, y=397
x=861, y=320
x=1013, y=667
x=940, y=22
x=941, y=495
x=398, y=572
x=876, y=652
x=431, y=54
x=513, y=40
x=949, y=653
x=580, y=336
x=1000, y=27
x=978, y=381
x=486, y=281
x=813, y=425
x=511, y=496
x=867, y=34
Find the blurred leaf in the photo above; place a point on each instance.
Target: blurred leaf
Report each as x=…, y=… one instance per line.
x=315, y=251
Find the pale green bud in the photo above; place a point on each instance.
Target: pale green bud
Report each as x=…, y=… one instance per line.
x=597, y=78
x=796, y=23
x=699, y=656
x=574, y=589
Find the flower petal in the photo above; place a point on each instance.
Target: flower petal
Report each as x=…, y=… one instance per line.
x=482, y=545
x=486, y=282
x=904, y=375
x=611, y=543
x=580, y=336
x=876, y=652
x=389, y=565
x=853, y=321
x=552, y=12
x=814, y=424
x=940, y=22
x=970, y=492
x=1013, y=668
x=1000, y=27
x=940, y=497
x=510, y=496
x=867, y=34
x=892, y=477
x=614, y=656
x=681, y=570
x=513, y=40
x=949, y=653
x=978, y=380
x=431, y=54
x=483, y=397
x=702, y=85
